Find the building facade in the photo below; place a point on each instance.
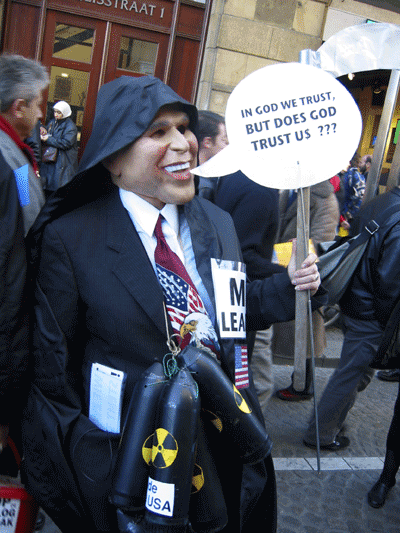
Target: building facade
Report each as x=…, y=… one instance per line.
x=86, y=43
x=202, y=48
x=244, y=36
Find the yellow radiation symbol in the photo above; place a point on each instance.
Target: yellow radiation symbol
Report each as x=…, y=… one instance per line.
x=197, y=479
x=147, y=449
x=240, y=401
x=164, y=450
x=214, y=419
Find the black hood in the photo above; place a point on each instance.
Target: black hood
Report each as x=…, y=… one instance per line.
x=125, y=108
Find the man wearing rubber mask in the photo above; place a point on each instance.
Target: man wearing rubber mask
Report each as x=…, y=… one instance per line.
x=104, y=303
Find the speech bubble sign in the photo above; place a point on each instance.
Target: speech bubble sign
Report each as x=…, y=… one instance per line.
x=289, y=125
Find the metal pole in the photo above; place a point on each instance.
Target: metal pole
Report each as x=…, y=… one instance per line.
x=303, y=301
x=382, y=137
x=301, y=322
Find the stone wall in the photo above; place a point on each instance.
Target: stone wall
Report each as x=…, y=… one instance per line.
x=245, y=35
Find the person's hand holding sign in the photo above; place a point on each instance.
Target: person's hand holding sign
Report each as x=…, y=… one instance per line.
x=306, y=278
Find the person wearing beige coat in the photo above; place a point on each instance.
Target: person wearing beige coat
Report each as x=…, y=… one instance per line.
x=324, y=220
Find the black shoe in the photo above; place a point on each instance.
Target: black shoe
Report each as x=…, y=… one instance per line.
x=291, y=395
x=378, y=494
x=338, y=444
x=389, y=375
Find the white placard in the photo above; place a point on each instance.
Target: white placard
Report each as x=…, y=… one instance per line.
x=106, y=388
x=9, y=510
x=160, y=497
x=229, y=280
x=289, y=125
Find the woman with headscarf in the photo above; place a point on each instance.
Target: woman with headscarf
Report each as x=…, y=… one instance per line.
x=60, y=133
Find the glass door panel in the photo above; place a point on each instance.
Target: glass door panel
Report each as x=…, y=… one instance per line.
x=136, y=52
x=137, y=56
x=73, y=43
x=71, y=86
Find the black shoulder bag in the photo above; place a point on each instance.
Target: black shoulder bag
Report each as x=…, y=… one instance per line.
x=338, y=264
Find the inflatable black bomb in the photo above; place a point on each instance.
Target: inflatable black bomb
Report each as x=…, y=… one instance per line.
x=165, y=478
x=219, y=395
x=207, y=511
x=173, y=455
x=131, y=470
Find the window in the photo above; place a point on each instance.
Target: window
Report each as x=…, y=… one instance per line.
x=137, y=56
x=73, y=43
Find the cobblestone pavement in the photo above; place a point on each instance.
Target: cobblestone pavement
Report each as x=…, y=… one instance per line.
x=334, y=499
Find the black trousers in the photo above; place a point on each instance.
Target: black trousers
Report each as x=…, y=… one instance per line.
x=393, y=438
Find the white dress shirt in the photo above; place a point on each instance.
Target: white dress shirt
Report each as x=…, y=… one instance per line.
x=176, y=232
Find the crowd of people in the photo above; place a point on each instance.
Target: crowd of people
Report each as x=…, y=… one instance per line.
x=108, y=266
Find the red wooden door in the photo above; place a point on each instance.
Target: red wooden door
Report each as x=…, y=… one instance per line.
x=73, y=51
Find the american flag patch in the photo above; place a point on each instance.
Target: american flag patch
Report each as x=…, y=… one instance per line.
x=180, y=298
x=183, y=304
x=241, y=367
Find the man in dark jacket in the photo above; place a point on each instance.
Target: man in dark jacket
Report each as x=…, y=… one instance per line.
x=33, y=140
x=253, y=208
x=101, y=308
x=366, y=306
x=21, y=197
x=255, y=213
x=365, y=165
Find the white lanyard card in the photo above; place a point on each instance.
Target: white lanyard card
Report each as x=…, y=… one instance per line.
x=106, y=389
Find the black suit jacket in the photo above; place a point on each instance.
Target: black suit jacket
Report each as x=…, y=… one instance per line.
x=98, y=300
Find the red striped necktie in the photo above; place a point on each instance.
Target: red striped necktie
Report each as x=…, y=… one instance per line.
x=188, y=316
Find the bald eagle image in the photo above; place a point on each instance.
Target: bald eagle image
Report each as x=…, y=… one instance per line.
x=202, y=333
